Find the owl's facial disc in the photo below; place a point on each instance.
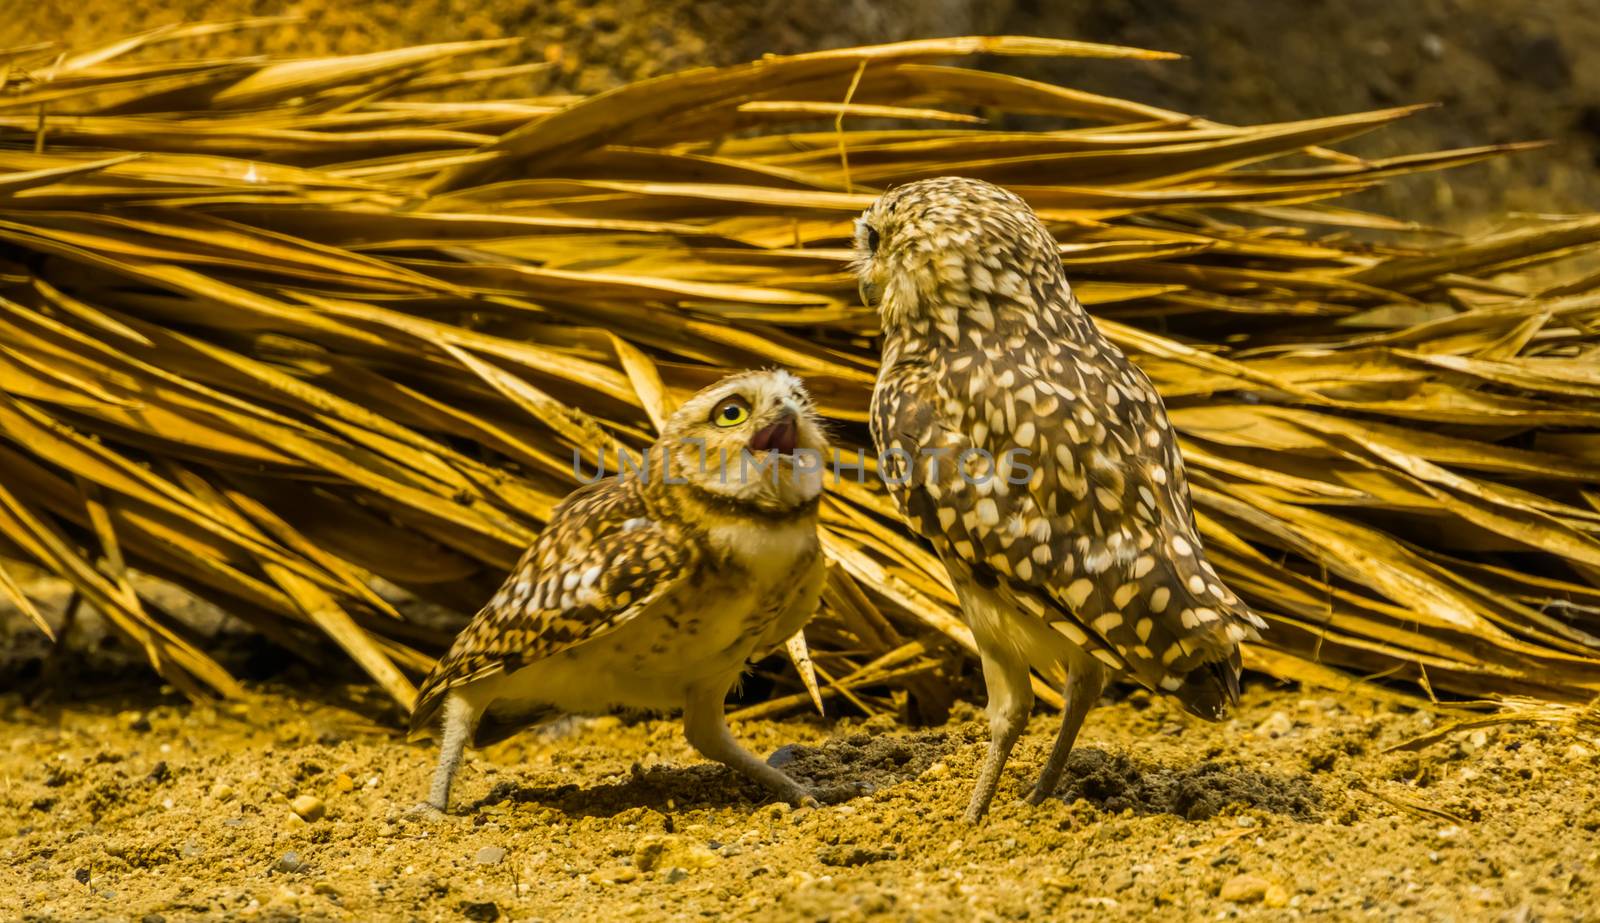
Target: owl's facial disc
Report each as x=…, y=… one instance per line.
x=752, y=437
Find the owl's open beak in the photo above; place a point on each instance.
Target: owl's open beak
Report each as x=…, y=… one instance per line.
x=781, y=436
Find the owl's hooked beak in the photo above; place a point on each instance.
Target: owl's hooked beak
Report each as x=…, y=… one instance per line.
x=781, y=436
x=869, y=293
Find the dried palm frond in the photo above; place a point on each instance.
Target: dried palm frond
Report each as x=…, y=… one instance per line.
x=271, y=329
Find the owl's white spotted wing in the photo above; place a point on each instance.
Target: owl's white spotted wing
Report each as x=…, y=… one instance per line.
x=1099, y=541
x=599, y=562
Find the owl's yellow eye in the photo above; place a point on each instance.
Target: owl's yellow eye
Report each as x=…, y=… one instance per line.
x=730, y=411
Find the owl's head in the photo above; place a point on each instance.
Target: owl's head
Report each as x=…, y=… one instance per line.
x=752, y=438
x=929, y=251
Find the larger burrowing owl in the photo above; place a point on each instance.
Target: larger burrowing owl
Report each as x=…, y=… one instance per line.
x=1040, y=464
x=652, y=590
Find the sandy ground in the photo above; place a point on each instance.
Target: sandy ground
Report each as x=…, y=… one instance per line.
x=117, y=804
x=117, y=808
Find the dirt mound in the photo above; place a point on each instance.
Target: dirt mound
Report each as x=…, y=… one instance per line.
x=1117, y=782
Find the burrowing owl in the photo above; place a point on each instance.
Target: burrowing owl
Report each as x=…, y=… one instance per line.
x=652, y=589
x=1040, y=464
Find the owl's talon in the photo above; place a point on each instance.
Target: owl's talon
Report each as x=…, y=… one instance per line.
x=426, y=812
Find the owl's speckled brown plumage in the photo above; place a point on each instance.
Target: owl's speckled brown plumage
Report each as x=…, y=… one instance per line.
x=1040, y=463
x=652, y=591
x=586, y=572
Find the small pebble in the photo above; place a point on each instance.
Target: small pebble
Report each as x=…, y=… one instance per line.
x=784, y=755
x=309, y=807
x=222, y=791
x=490, y=855
x=657, y=852
x=675, y=875
x=614, y=876
x=289, y=862
x=1244, y=889
x=1276, y=725
x=480, y=911
x=1276, y=896
x=343, y=784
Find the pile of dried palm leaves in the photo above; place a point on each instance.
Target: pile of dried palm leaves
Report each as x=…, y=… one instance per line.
x=270, y=329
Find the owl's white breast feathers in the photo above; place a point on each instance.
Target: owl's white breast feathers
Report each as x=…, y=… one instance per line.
x=768, y=551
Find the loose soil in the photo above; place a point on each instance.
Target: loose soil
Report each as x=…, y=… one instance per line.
x=114, y=808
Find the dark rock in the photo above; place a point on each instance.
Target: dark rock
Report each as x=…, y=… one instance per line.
x=849, y=856
x=1544, y=62
x=783, y=756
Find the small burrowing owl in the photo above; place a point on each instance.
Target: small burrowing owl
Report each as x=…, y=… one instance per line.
x=652, y=589
x=1040, y=464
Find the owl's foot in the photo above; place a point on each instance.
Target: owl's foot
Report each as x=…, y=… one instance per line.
x=426, y=812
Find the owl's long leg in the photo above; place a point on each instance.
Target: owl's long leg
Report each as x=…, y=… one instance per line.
x=1010, y=701
x=706, y=726
x=460, y=718
x=1085, y=679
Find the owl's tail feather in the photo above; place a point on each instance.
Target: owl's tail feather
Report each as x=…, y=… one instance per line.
x=1211, y=689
